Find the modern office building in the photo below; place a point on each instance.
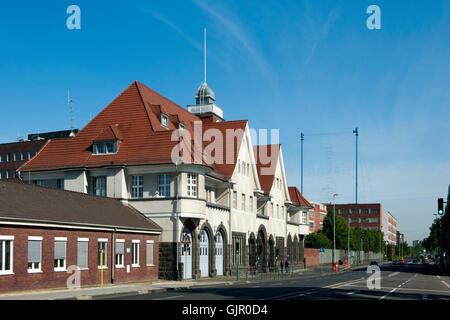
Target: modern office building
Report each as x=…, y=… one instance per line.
x=364, y=215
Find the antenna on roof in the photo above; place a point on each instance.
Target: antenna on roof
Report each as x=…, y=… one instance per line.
x=69, y=103
x=204, y=38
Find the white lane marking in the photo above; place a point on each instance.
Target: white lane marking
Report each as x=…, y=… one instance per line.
x=439, y=277
x=172, y=297
x=404, y=289
x=393, y=274
x=295, y=294
x=445, y=283
x=353, y=292
x=388, y=293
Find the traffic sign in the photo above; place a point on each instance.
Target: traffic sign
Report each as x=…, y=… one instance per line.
x=322, y=250
x=186, y=239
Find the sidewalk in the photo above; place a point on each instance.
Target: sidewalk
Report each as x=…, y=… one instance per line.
x=87, y=293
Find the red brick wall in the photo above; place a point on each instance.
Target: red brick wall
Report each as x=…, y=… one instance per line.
x=22, y=280
x=312, y=257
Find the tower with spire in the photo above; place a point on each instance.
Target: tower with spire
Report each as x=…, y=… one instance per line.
x=205, y=106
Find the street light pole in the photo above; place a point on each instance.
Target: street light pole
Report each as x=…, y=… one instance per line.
x=348, y=242
x=334, y=227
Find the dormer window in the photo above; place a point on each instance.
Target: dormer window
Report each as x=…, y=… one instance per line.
x=105, y=147
x=164, y=120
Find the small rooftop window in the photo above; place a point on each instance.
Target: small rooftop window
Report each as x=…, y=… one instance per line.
x=164, y=120
x=105, y=147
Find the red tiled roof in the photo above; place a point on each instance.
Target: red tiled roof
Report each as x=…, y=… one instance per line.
x=232, y=144
x=297, y=198
x=266, y=164
x=134, y=118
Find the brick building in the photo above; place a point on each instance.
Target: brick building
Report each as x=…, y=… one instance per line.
x=15, y=154
x=364, y=215
x=316, y=216
x=390, y=228
x=46, y=231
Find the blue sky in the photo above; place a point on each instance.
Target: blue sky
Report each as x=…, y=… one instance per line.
x=301, y=66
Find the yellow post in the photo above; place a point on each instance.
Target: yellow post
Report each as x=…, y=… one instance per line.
x=101, y=268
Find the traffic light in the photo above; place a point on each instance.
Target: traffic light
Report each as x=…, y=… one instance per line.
x=237, y=247
x=440, y=206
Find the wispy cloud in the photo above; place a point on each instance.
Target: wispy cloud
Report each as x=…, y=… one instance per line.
x=331, y=20
x=164, y=20
x=238, y=33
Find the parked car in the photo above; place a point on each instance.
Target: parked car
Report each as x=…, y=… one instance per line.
x=374, y=263
x=401, y=261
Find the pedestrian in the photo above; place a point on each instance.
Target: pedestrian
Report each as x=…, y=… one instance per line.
x=286, y=265
x=281, y=265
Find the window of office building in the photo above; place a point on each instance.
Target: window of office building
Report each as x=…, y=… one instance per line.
x=6, y=254
x=60, y=254
x=100, y=186
x=164, y=185
x=34, y=254
x=137, y=186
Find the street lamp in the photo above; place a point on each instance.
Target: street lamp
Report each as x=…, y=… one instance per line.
x=334, y=227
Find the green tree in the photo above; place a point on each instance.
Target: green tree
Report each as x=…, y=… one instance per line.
x=341, y=230
x=430, y=243
x=317, y=240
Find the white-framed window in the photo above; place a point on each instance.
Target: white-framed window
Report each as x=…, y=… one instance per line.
x=30, y=154
x=149, y=252
x=8, y=157
x=23, y=156
x=250, y=204
x=2, y=175
x=102, y=248
x=34, y=254
x=164, y=120
x=135, y=253
x=60, y=254
x=243, y=202
x=164, y=185
x=83, y=253
x=120, y=249
x=16, y=156
x=6, y=254
x=137, y=186
x=234, y=200
x=100, y=186
x=104, y=147
x=191, y=185
x=8, y=174
x=2, y=157
x=304, y=217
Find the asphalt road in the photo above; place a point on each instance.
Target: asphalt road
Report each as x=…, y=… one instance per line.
x=408, y=281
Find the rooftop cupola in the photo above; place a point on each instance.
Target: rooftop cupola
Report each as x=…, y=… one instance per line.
x=205, y=106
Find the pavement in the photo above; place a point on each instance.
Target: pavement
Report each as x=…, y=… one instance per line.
x=159, y=286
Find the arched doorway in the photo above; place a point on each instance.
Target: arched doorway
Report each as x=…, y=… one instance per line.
x=289, y=249
x=204, y=253
x=296, y=249
x=261, y=251
x=186, y=253
x=271, y=254
x=219, y=252
x=252, y=250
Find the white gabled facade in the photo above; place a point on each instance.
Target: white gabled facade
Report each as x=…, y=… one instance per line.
x=192, y=201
